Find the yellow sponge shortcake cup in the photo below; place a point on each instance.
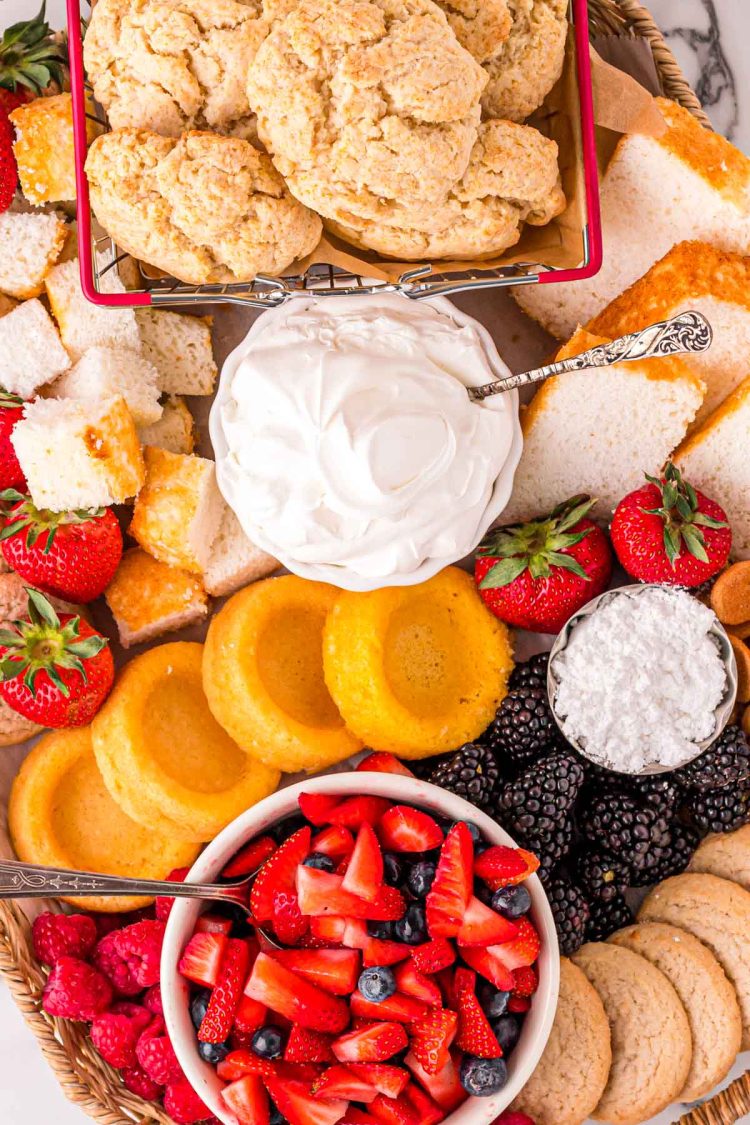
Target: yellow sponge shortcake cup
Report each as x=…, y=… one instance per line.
x=162, y=754
x=60, y=814
x=263, y=675
x=417, y=670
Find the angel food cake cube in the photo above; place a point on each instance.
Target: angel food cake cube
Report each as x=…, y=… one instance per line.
x=175, y=429
x=83, y=325
x=148, y=598
x=29, y=247
x=31, y=349
x=234, y=561
x=79, y=454
x=102, y=372
x=179, y=347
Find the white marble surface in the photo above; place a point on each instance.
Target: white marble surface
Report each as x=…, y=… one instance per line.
x=709, y=38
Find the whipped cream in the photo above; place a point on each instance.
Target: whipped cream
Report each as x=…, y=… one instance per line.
x=351, y=440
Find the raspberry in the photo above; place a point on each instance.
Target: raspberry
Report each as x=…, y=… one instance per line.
x=75, y=991
x=140, y=946
x=115, y=968
x=138, y=1082
x=163, y=904
x=106, y=923
x=115, y=1037
x=156, y=1055
x=152, y=1000
x=63, y=935
x=183, y=1104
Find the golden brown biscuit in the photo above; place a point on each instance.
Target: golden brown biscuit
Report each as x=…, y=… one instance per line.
x=529, y=61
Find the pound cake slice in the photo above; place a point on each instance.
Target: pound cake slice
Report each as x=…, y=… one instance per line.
x=657, y=191
x=715, y=459
x=693, y=275
x=598, y=430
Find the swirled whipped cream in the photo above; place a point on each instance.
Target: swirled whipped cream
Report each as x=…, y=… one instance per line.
x=351, y=438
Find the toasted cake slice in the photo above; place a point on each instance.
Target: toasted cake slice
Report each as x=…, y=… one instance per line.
x=174, y=431
x=148, y=598
x=688, y=183
x=82, y=324
x=31, y=349
x=44, y=148
x=179, y=347
x=598, y=430
x=233, y=560
x=103, y=372
x=29, y=247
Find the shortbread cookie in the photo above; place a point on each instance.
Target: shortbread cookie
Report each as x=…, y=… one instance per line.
x=717, y=912
x=707, y=996
x=512, y=178
x=651, y=1041
x=726, y=854
x=529, y=62
x=572, y=1073
x=174, y=65
x=203, y=208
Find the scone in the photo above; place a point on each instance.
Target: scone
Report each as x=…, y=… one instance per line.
x=203, y=208
x=174, y=65
x=481, y=26
x=530, y=60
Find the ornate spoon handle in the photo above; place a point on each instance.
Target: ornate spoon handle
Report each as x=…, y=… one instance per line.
x=688, y=332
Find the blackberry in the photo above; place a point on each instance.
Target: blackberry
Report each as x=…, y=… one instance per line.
x=675, y=856
x=571, y=912
x=601, y=876
x=471, y=773
x=662, y=791
x=530, y=673
x=606, y=917
x=726, y=762
x=524, y=728
x=552, y=850
x=540, y=800
x=720, y=810
x=627, y=828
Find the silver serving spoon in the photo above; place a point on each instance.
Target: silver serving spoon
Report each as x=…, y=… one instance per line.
x=688, y=332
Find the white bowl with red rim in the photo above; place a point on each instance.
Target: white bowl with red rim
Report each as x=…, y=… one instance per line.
x=401, y=790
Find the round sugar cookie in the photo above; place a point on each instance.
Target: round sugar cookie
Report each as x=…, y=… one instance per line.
x=651, y=1041
x=60, y=814
x=707, y=996
x=572, y=1073
x=717, y=912
x=726, y=854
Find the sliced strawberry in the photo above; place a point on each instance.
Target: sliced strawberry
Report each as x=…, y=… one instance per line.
x=513, y=1117
x=241, y=1062
x=522, y=950
x=302, y=1072
x=340, y=1082
x=474, y=1032
x=453, y=883
x=225, y=998
x=375, y=951
x=320, y=892
x=364, y=872
x=202, y=959
x=250, y=1015
x=356, y=810
x=289, y=924
x=433, y=955
x=525, y=981
x=334, y=841
x=335, y=970
x=328, y=928
x=316, y=807
x=406, y=829
x=432, y=1036
x=502, y=867
x=292, y=996
x=413, y=983
x=247, y=1100
x=278, y=873
x=381, y=762
x=445, y=981
x=428, y=1111
x=403, y=1009
x=354, y=1116
x=444, y=1087
x=482, y=926
x=250, y=857
x=387, y=1080
x=305, y=1046
x=393, y=1111
x=213, y=924
x=519, y=1004
x=488, y=965
x=375, y=1043
x=294, y=1101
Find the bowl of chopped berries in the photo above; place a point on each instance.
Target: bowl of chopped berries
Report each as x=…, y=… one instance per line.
x=396, y=964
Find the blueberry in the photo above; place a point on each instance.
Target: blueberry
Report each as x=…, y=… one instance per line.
x=377, y=983
x=482, y=1077
x=392, y=870
x=507, y=1031
x=412, y=928
x=277, y=1118
x=420, y=878
x=494, y=1002
x=198, y=1006
x=482, y=892
x=268, y=1042
x=474, y=832
x=511, y=902
x=319, y=861
x=381, y=930
x=213, y=1052
x=287, y=827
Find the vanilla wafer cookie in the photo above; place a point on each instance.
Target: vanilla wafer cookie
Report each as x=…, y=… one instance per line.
x=726, y=854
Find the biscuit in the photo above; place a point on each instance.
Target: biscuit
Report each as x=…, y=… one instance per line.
x=529, y=61
x=707, y=996
x=651, y=1041
x=481, y=26
x=726, y=854
x=572, y=1073
x=512, y=178
x=717, y=912
x=203, y=208
x=174, y=65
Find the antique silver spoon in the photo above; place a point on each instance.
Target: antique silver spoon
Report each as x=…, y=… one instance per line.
x=687, y=332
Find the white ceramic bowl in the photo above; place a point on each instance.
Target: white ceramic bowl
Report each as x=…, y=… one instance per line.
x=175, y=990
x=341, y=576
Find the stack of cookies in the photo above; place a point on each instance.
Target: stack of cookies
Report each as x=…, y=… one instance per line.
x=658, y=1012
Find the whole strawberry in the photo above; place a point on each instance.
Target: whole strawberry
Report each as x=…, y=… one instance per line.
x=8, y=166
x=535, y=575
x=56, y=671
x=11, y=474
x=72, y=555
x=669, y=532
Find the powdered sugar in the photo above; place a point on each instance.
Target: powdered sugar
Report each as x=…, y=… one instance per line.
x=640, y=679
